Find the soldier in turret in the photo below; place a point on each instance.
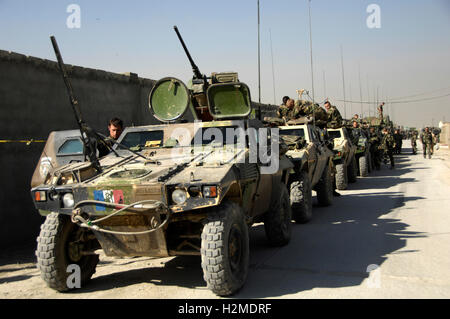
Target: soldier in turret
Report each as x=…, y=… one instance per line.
x=334, y=118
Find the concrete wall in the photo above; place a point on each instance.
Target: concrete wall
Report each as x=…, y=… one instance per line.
x=34, y=102
x=445, y=134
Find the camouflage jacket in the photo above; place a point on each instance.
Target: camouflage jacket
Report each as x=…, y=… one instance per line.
x=388, y=142
x=334, y=118
x=426, y=138
x=307, y=108
x=374, y=139
x=287, y=113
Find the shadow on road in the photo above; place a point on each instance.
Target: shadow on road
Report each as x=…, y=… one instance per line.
x=339, y=245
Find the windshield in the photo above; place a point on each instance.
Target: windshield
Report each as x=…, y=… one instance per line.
x=219, y=136
x=143, y=138
x=334, y=134
x=293, y=132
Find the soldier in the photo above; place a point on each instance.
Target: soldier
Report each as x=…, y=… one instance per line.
x=398, y=141
x=115, y=128
x=380, y=113
x=334, y=118
x=375, y=153
x=388, y=144
x=355, y=132
x=414, y=142
x=290, y=111
x=427, y=143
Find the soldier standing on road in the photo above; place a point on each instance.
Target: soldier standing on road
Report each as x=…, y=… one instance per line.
x=375, y=141
x=398, y=142
x=388, y=144
x=414, y=142
x=115, y=128
x=334, y=118
x=427, y=142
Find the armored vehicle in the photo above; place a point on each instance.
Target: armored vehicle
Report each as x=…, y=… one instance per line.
x=171, y=189
x=344, y=157
x=313, y=169
x=362, y=153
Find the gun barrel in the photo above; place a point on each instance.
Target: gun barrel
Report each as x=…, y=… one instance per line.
x=194, y=66
x=84, y=129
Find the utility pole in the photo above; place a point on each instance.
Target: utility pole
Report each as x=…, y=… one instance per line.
x=273, y=68
x=360, y=90
x=343, y=82
x=310, y=48
x=259, y=59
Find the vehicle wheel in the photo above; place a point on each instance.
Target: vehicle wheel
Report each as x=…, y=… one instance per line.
x=301, y=199
x=363, y=166
x=341, y=177
x=325, y=188
x=225, y=249
x=58, y=247
x=277, y=221
x=370, y=165
x=352, y=171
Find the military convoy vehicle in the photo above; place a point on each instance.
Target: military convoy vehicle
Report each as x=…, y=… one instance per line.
x=169, y=189
x=313, y=168
x=344, y=157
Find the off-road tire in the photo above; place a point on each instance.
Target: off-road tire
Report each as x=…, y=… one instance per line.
x=341, y=177
x=277, y=221
x=352, y=171
x=53, y=256
x=301, y=198
x=364, y=166
x=325, y=188
x=225, y=249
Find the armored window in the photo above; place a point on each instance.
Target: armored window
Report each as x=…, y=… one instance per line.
x=143, y=138
x=293, y=132
x=334, y=134
x=218, y=136
x=72, y=146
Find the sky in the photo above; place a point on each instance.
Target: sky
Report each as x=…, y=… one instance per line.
x=407, y=57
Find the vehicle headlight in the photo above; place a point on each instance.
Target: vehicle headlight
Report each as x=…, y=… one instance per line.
x=179, y=196
x=68, y=200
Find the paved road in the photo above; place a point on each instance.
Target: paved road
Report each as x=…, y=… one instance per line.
x=388, y=236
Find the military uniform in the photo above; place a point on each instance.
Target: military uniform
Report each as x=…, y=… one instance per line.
x=103, y=148
x=414, y=142
x=307, y=108
x=287, y=113
x=375, y=152
x=427, y=144
x=398, y=143
x=334, y=118
x=388, y=144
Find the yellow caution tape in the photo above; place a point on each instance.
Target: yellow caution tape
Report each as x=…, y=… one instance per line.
x=27, y=142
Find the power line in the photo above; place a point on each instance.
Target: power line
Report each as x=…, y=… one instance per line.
x=399, y=102
x=424, y=93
